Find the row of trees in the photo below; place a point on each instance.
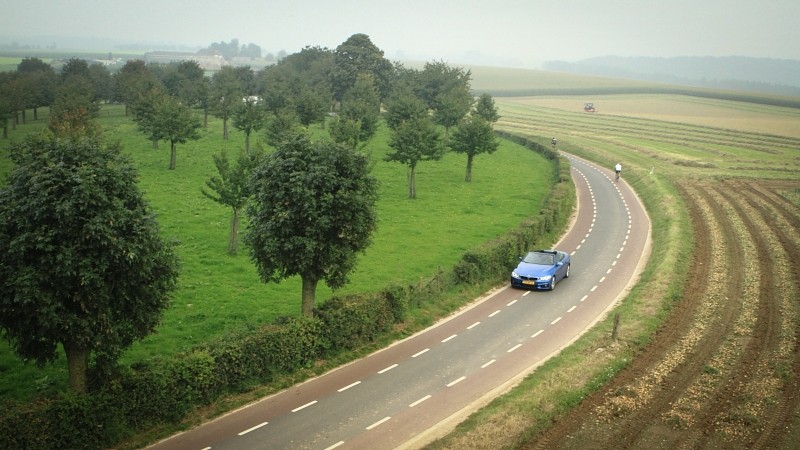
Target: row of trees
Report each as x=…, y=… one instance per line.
x=354, y=81
x=311, y=204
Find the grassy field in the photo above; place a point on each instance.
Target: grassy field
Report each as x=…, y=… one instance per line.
x=218, y=292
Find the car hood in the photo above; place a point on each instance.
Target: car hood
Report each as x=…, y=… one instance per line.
x=534, y=270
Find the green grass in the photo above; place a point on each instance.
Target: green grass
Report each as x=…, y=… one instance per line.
x=218, y=292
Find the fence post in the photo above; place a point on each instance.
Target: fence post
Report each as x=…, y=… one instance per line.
x=615, y=330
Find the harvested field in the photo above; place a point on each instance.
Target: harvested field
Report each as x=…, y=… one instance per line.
x=709, y=352
x=723, y=372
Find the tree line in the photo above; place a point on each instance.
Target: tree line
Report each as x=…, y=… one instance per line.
x=82, y=263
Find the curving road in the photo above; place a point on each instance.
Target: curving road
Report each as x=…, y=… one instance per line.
x=418, y=389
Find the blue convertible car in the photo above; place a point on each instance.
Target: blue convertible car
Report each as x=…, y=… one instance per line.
x=541, y=269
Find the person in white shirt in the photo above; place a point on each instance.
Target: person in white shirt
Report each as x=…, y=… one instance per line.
x=618, y=169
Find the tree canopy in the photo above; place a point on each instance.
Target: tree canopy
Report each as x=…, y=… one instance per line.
x=359, y=56
x=413, y=141
x=82, y=263
x=232, y=188
x=313, y=211
x=163, y=117
x=472, y=137
x=226, y=93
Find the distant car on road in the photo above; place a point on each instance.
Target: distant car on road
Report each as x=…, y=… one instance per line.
x=541, y=269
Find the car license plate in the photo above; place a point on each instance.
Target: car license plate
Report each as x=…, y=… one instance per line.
x=531, y=282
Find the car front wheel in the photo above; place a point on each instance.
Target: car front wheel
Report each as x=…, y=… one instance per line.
x=566, y=275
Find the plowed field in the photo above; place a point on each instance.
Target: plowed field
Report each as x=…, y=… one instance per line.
x=724, y=370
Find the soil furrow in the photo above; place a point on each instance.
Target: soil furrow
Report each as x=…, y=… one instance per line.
x=739, y=382
x=783, y=227
x=683, y=344
x=738, y=406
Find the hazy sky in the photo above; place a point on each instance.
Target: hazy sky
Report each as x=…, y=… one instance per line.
x=514, y=33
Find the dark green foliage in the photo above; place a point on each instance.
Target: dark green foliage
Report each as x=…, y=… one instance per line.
x=358, y=56
x=313, y=212
x=351, y=322
x=132, y=80
x=281, y=127
x=404, y=106
x=361, y=105
x=82, y=263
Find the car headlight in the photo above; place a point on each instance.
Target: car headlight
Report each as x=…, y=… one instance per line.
x=545, y=278
x=514, y=275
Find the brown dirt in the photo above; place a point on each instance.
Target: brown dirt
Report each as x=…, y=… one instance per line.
x=724, y=370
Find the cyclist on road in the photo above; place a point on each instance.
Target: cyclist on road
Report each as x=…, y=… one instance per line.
x=618, y=169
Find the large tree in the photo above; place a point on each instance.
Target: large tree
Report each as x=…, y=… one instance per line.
x=133, y=79
x=313, y=211
x=414, y=141
x=358, y=56
x=74, y=111
x=437, y=78
x=82, y=262
x=472, y=137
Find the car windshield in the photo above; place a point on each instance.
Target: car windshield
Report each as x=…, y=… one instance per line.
x=545, y=259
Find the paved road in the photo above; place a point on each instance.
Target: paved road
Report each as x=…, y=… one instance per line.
x=417, y=389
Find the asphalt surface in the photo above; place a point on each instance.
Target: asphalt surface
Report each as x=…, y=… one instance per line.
x=418, y=389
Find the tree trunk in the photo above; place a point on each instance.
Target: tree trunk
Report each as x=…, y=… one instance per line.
x=309, y=291
x=24, y=117
x=234, y=238
x=412, y=182
x=224, y=129
x=35, y=114
x=172, y=155
x=205, y=117
x=247, y=143
x=468, y=177
x=77, y=364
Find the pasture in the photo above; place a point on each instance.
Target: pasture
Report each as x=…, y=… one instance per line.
x=219, y=293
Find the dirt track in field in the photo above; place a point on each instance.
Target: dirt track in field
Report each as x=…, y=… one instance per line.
x=724, y=371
